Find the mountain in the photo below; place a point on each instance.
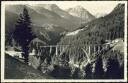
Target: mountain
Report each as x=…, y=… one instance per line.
x=104, y=30
x=50, y=7
x=14, y=69
x=39, y=19
x=50, y=14
x=48, y=33
x=82, y=13
x=103, y=26
x=64, y=19
x=10, y=25
x=98, y=15
x=98, y=31
x=54, y=8
x=59, y=11
x=46, y=18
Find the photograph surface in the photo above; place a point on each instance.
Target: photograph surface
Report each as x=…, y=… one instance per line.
x=63, y=40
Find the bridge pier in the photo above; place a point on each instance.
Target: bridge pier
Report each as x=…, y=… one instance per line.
x=50, y=51
x=94, y=50
x=56, y=50
x=98, y=49
x=89, y=50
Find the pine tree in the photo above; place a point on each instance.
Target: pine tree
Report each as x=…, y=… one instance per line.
x=76, y=73
x=99, y=71
x=121, y=72
x=88, y=71
x=113, y=69
x=23, y=33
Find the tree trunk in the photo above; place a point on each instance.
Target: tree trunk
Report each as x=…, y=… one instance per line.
x=25, y=54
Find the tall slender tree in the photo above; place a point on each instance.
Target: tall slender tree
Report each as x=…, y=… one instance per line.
x=113, y=69
x=88, y=71
x=75, y=74
x=99, y=71
x=23, y=33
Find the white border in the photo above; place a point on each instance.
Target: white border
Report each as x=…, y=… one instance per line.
x=3, y=3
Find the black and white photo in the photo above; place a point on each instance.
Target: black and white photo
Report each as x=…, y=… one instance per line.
x=64, y=41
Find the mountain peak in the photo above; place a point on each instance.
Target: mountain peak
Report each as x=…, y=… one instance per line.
x=81, y=12
x=77, y=8
x=46, y=6
x=50, y=6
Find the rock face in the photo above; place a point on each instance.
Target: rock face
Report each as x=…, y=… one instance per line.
x=80, y=12
x=50, y=7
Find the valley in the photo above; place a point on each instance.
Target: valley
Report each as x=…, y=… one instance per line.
x=72, y=43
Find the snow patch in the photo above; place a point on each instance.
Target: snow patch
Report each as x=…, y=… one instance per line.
x=74, y=32
x=62, y=16
x=14, y=53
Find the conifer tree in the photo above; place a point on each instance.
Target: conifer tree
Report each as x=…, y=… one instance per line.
x=88, y=71
x=113, y=69
x=76, y=73
x=99, y=71
x=23, y=33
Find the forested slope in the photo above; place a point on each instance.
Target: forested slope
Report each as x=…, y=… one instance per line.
x=14, y=69
x=97, y=31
